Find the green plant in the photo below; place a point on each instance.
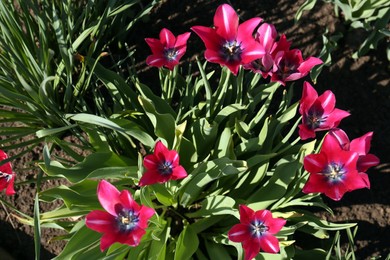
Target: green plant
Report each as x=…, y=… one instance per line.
x=371, y=15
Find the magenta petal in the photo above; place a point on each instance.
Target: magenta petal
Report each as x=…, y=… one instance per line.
x=108, y=196
x=213, y=56
x=331, y=144
x=315, y=183
x=269, y=244
x=362, y=144
x=357, y=181
x=251, y=248
x=246, y=214
x=336, y=192
x=107, y=240
x=178, y=173
x=128, y=202
x=226, y=22
x=100, y=221
x=252, y=51
x=167, y=38
x=263, y=215
x=275, y=225
x=266, y=35
x=152, y=177
x=135, y=237
x=150, y=162
x=314, y=163
x=145, y=214
x=246, y=29
x=10, y=187
x=308, y=64
x=182, y=40
x=209, y=37
x=367, y=161
x=365, y=179
x=328, y=101
x=341, y=137
x=309, y=95
x=335, y=117
x=305, y=132
x=156, y=61
x=155, y=45
x=239, y=233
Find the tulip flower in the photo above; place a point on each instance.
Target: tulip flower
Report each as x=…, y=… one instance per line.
x=162, y=166
x=290, y=66
x=361, y=146
x=229, y=43
x=333, y=171
x=265, y=35
x=168, y=50
x=124, y=221
x=256, y=231
x=7, y=177
x=318, y=112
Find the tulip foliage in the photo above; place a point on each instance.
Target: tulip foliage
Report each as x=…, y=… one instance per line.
x=219, y=166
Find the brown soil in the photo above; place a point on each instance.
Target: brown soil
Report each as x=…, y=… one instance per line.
x=361, y=86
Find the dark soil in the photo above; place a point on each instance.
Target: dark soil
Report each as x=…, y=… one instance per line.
x=361, y=86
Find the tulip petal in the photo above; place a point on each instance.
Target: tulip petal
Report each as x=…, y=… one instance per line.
x=108, y=196
x=167, y=38
x=178, y=173
x=269, y=244
x=362, y=144
x=246, y=29
x=246, y=214
x=107, y=240
x=100, y=221
x=226, y=22
x=239, y=233
x=251, y=248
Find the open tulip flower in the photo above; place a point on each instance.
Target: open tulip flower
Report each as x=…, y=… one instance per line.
x=266, y=35
x=229, y=43
x=124, y=221
x=162, y=166
x=290, y=66
x=333, y=171
x=361, y=146
x=168, y=50
x=7, y=177
x=256, y=231
x=318, y=112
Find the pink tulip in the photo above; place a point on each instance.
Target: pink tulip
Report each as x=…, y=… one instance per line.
x=333, y=171
x=124, y=221
x=168, y=50
x=318, y=112
x=7, y=177
x=256, y=231
x=229, y=43
x=162, y=166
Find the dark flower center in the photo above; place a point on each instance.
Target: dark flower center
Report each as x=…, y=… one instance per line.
x=231, y=51
x=315, y=119
x=334, y=171
x=165, y=167
x=170, y=53
x=257, y=228
x=286, y=68
x=127, y=220
x=6, y=176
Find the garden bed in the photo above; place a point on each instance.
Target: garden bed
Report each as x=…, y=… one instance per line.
x=362, y=87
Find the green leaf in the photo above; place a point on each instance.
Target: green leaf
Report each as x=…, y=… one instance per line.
x=307, y=5
x=186, y=244
x=216, y=205
x=206, y=173
x=82, y=240
x=164, y=124
x=275, y=187
x=99, y=164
